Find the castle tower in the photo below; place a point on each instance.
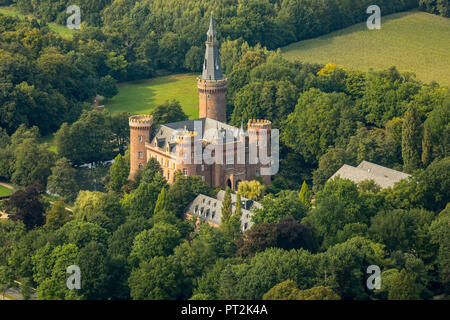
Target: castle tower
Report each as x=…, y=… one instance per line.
x=259, y=132
x=212, y=84
x=140, y=132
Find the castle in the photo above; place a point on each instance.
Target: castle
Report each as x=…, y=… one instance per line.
x=181, y=146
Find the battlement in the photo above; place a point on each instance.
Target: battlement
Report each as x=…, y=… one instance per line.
x=256, y=124
x=141, y=121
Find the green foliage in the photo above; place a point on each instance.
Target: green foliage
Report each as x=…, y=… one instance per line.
x=276, y=207
x=316, y=122
x=304, y=195
x=227, y=209
x=62, y=181
x=56, y=216
x=412, y=139
x=88, y=139
x=167, y=113
x=119, y=172
x=317, y=293
x=286, y=290
x=158, y=241
x=251, y=190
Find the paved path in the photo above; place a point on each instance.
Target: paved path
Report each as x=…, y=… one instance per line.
x=7, y=185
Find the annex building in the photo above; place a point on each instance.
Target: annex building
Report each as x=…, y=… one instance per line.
x=382, y=176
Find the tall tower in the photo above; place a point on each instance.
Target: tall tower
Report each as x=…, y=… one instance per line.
x=259, y=137
x=212, y=84
x=140, y=132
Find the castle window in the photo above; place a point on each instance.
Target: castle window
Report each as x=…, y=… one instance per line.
x=257, y=173
x=207, y=213
x=213, y=214
x=140, y=155
x=245, y=226
x=203, y=178
x=185, y=172
x=140, y=166
x=168, y=175
x=140, y=138
x=196, y=209
x=203, y=167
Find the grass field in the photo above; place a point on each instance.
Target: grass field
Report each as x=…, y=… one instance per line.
x=63, y=31
x=4, y=192
x=141, y=97
x=412, y=41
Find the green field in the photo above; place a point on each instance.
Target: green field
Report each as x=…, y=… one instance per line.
x=412, y=41
x=4, y=192
x=141, y=97
x=63, y=31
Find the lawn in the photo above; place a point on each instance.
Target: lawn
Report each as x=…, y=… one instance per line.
x=63, y=31
x=412, y=41
x=5, y=192
x=141, y=97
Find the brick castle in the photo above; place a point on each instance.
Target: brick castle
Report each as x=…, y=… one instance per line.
x=189, y=140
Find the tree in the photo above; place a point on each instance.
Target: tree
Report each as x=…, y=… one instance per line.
x=63, y=181
x=107, y=87
x=156, y=279
x=94, y=269
x=317, y=293
x=103, y=209
x=282, y=205
x=184, y=190
x=317, y=122
x=158, y=241
x=286, y=290
x=87, y=140
x=167, y=113
x=6, y=280
x=402, y=287
x=162, y=203
x=412, y=139
x=26, y=206
x=194, y=59
x=227, y=210
x=32, y=167
x=56, y=216
x=251, y=190
x=119, y=173
x=305, y=195
x=293, y=235
x=260, y=237
x=329, y=163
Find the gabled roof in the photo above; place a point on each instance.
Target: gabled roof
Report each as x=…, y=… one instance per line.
x=210, y=209
x=382, y=176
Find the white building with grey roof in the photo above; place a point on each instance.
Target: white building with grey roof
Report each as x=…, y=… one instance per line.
x=382, y=176
x=209, y=209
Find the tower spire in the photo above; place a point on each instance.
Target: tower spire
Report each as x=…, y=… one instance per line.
x=212, y=70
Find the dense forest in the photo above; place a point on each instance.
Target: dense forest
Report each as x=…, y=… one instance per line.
x=312, y=239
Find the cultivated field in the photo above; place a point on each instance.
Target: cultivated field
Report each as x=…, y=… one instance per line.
x=141, y=97
x=412, y=41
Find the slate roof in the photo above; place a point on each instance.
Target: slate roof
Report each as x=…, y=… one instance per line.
x=212, y=69
x=209, y=130
x=382, y=176
x=210, y=209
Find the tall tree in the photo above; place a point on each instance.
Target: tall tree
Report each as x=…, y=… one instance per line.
x=305, y=195
x=63, y=181
x=412, y=139
x=227, y=209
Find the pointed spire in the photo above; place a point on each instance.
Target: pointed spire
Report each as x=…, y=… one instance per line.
x=212, y=70
x=212, y=29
